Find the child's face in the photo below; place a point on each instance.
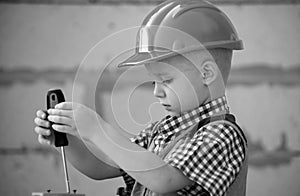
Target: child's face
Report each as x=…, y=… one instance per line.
x=178, y=85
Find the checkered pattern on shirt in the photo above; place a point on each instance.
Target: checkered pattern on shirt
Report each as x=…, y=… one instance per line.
x=212, y=158
x=172, y=125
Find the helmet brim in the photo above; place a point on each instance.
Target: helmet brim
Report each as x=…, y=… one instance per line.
x=146, y=57
x=140, y=58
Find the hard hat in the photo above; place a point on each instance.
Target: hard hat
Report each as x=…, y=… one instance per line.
x=179, y=26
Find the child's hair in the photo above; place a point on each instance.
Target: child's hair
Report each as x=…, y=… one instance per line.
x=222, y=58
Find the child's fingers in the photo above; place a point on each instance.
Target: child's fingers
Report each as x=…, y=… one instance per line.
x=42, y=123
x=44, y=141
x=61, y=112
x=61, y=120
x=42, y=131
x=41, y=114
x=64, y=105
x=64, y=129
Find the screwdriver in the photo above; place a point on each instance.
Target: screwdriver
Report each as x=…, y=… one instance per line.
x=54, y=97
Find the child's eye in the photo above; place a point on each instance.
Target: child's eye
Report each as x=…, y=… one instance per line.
x=167, y=81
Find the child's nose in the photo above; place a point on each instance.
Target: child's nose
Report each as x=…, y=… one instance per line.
x=159, y=91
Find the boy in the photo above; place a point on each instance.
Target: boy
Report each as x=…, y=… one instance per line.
x=197, y=149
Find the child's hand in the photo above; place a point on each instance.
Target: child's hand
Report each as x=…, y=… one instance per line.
x=61, y=116
x=42, y=128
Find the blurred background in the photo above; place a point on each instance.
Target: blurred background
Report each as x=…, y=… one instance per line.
x=43, y=42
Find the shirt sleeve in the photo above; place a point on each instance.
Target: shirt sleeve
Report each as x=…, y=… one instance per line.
x=212, y=158
x=142, y=139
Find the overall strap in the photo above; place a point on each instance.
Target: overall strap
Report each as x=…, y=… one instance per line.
x=230, y=119
x=238, y=186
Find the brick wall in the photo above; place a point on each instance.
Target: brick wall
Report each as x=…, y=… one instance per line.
x=42, y=46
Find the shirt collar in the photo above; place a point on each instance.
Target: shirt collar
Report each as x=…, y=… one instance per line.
x=173, y=124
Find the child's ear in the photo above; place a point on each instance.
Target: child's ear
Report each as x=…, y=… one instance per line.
x=209, y=72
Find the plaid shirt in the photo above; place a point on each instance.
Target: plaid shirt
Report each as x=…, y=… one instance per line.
x=212, y=158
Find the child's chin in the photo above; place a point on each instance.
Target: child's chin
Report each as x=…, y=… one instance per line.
x=172, y=113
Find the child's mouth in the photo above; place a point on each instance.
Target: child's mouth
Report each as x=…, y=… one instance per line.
x=166, y=105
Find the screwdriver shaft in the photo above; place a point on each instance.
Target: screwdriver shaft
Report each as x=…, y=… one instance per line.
x=65, y=169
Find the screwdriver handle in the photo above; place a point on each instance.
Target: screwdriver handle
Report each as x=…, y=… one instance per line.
x=54, y=97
